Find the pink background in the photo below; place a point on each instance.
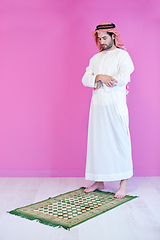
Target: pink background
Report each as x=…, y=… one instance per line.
x=45, y=46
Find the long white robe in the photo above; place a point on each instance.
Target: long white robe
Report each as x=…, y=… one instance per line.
x=109, y=147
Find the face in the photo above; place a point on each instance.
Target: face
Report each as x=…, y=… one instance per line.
x=106, y=41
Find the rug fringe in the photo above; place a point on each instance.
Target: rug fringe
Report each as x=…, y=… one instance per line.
x=32, y=218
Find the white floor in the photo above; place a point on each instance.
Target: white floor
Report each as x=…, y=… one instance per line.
x=138, y=219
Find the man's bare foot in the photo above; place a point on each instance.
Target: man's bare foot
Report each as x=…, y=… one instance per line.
x=96, y=185
x=122, y=191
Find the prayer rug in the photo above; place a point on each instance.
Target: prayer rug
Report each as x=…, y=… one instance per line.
x=70, y=209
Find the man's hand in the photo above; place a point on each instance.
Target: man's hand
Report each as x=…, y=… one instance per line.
x=106, y=79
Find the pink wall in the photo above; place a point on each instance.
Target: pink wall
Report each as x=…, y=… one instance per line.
x=45, y=46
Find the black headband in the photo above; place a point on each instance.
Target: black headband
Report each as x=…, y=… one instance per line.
x=105, y=26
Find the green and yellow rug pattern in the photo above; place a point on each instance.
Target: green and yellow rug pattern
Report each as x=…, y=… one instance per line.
x=70, y=209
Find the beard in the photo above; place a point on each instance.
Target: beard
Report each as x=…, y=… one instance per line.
x=107, y=46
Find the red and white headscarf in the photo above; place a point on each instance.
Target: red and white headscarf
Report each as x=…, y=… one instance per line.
x=108, y=27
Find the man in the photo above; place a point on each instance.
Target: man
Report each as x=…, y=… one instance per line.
x=109, y=147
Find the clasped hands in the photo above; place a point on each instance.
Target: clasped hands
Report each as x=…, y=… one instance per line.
x=106, y=79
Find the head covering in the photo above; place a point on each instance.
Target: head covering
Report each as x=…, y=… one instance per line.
x=108, y=27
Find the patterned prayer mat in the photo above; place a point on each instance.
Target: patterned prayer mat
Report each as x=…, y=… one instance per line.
x=70, y=209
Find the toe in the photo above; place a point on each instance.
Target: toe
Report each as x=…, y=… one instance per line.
x=86, y=190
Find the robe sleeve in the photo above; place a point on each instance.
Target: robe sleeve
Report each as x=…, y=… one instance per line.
x=125, y=68
x=89, y=77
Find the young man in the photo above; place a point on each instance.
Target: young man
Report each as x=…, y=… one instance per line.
x=109, y=147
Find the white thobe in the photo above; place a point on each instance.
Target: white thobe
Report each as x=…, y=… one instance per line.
x=109, y=147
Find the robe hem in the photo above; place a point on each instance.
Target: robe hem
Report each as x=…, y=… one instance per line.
x=115, y=177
